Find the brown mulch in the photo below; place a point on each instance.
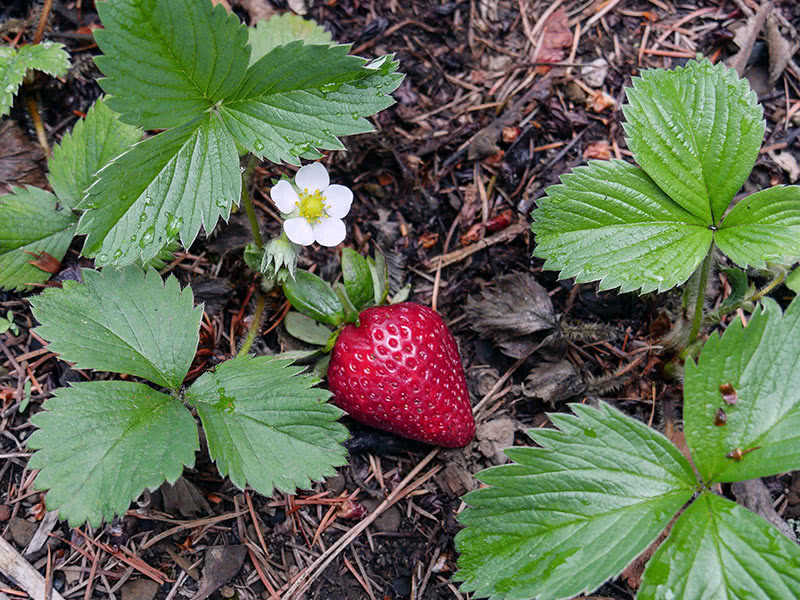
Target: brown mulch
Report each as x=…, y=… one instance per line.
x=496, y=104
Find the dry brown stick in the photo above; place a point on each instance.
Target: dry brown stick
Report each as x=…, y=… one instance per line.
x=19, y=570
x=507, y=234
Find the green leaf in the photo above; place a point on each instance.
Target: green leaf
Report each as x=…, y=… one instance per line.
x=184, y=178
x=91, y=145
x=100, y=444
x=762, y=363
x=31, y=221
x=696, y=130
x=601, y=481
x=763, y=227
x=718, y=549
x=610, y=221
x=314, y=297
x=266, y=425
x=357, y=279
x=123, y=321
x=48, y=57
x=168, y=62
x=283, y=29
x=306, y=329
x=299, y=98
x=793, y=280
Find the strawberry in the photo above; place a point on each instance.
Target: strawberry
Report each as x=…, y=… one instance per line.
x=400, y=371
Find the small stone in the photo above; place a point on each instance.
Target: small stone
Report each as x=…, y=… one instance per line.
x=22, y=531
x=139, y=589
x=389, y=521
x=595, y=73
x=335, y=484
x=5, y=512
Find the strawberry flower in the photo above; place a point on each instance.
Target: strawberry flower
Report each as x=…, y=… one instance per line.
x=316, y=211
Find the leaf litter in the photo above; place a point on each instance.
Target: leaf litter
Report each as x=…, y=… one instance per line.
x=467, y=73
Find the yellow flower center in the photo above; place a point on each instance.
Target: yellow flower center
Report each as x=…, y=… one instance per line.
x=312, y=206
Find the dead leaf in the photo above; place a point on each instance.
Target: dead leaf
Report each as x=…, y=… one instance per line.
x=516, y=314
x=781, y=50
x=259, y=10
x=221, y=565
x=753, y=494
x=22, y=161
x=556, y=40
x=600, y=150
x=787, y=162
x=183, y=498
x=45, y=262
x=495, y=436
x=553, y=382
x=601, y=101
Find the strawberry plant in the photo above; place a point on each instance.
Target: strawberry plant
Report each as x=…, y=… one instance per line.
x=216, y=91
x=572, y=513
x=695, y=132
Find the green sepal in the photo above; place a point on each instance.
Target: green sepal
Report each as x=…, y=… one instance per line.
x=380, y=281
x=357, y=278
x=306, y=329
x=314, y=297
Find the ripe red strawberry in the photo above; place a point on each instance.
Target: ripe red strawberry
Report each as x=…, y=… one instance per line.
x=400, y=371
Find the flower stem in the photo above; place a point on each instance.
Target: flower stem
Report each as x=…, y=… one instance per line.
x=255, y=325
x=248, y=204
x=700, y=297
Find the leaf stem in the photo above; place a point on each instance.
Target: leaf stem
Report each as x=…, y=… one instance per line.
x=255, y=325
x=700, y=297
x=248, y=204
x=776, y=281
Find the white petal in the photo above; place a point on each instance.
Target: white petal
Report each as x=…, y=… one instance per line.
x=329, y=232
x=299, y=231
x=284, y=196
x=339, y=198
x=312, y=177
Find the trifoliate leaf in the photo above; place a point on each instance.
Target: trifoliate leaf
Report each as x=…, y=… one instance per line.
x=299, y=98
x=752, y=375
x=282, y=29
x=31, y=221
x=91, y=145
x=183, y=178
x=610, y=221
x=696, y=130
x=100, y=444
x=48, y=57
x=566, y=517
x=168, y=61
x=763, y=227
x=124, y=321
x=266, y=425
x=718, y=549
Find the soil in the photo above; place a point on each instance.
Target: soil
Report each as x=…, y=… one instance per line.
x=494, y=107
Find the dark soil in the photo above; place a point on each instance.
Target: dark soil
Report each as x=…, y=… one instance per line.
x=480, y=128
